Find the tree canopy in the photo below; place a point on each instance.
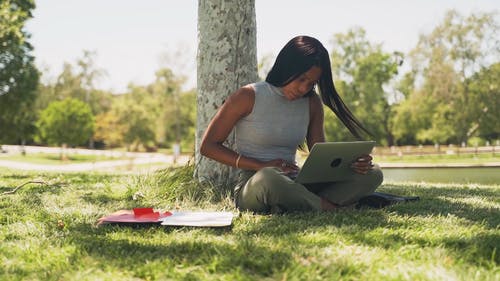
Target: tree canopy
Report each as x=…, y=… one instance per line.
x=444, y=91
x=448, y=94
x=442, y=101
x=18, y=74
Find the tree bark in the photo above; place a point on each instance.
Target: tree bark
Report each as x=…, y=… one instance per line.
x=227, y=60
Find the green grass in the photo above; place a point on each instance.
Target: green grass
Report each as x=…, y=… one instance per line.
x=49, y=232
x=55, y=159
x=441, y=159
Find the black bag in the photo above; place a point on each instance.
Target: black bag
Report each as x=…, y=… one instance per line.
x=379, y=200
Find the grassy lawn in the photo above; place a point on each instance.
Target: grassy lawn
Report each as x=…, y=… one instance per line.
x=48, y=232
x=55, y=158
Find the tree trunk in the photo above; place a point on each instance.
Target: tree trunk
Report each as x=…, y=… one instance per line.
x=64, y=152
x=227, y=60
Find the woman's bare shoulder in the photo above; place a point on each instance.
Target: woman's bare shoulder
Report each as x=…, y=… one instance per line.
x=245, y=92
x=243, y=98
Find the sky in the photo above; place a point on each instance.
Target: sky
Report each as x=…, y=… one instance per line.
x=132, y=39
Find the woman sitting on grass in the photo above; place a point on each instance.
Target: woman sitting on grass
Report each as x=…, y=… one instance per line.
x=271, y=120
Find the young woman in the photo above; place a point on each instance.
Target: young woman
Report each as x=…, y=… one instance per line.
x=271, y=120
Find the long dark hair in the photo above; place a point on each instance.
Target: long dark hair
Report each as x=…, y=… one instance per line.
x=297, y=57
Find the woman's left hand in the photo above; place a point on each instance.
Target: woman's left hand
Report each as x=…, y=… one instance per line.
x=363, y=164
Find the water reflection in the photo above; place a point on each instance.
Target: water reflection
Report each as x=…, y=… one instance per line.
x=484, y=175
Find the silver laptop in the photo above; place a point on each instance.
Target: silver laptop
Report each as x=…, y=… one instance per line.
x=331, y=161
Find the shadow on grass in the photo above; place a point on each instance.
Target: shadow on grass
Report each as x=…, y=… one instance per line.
x=103, y=198
x=364, y=226
x=131, y=247
x=32, y=189
x=86, y=178
x=5, y=189
x=53, y=181
x=450, y=201
x=16, y=176
x=285, y=224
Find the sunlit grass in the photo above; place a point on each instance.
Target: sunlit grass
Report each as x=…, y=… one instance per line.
x=55, y=158
x=49, y=232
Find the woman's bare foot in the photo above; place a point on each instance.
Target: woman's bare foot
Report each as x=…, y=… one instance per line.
x=327, y=205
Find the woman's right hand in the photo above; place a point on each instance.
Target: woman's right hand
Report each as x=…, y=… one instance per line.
x=283, y=165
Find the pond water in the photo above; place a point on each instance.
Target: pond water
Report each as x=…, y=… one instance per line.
x=483, y=175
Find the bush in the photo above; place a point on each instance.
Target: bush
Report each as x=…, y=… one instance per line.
x=66, y=122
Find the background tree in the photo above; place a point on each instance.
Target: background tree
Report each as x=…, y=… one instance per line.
x=88, y=73
x=136, y=117
x=67, y=122
x=484, y=87
x=108, y=129
x=69, y=84
x=348, y=48
x=18, y=75
x=165, y=93
x=187, y=107
x=265, y=65
x=77, y=81
x=150, y=116
x=227, y=60
x=403, y=122
x=442, y=64
x=362, y=70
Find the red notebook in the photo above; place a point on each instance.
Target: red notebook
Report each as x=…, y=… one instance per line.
x=137, y=215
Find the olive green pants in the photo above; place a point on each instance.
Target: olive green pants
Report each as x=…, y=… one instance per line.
x=270, y=191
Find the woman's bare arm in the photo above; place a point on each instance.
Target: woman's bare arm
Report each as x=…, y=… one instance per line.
x=316, y=130
x=237, y=106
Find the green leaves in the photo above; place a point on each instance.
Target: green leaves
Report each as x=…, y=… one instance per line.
x=66, y=122
x=365, y=69
x=449, y=94
x=445, y=62
x=484, y=89
x=18, y=75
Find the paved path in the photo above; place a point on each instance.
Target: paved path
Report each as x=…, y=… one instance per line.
x=147, y=159
x=93, y=166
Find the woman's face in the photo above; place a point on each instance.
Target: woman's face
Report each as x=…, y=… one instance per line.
x=302, y=84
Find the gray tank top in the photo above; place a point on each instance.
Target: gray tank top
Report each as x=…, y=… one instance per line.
x=275, y=127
